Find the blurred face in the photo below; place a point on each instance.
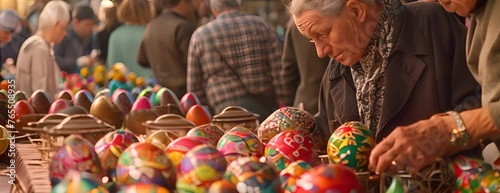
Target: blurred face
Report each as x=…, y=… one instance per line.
x=83, y=27
x=59, y=31
x=461, y=7
x=343, y=37
x=5, y=36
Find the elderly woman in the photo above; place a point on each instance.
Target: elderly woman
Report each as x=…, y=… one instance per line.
x=36, y=68
x=464, y=130
x=393, y=64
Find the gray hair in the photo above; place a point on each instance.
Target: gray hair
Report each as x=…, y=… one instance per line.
x=54, y=11
x=224, y=5
x=326, y=7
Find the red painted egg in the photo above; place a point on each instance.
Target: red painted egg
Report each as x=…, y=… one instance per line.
x=59, y=104
x=290, y=146
x=329, y=178
x=141, y=103
x=23, y=107
x=189, y=100
x=199, y=115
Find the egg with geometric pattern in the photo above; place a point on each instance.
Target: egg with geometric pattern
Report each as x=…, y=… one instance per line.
x=239, y=142
x=250, y=174
x=110, y=147
x=329, y=178
x=292, y=173
x=350, y=145
x=290, y=146
x=284, y=119
x=145, y=163
x=180, y=146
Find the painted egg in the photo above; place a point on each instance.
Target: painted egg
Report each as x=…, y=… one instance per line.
x=23, y=107
x=222, y=186
x=40, y=101
x=105, y=110
x=84, y=99
x=133, y=120
x=201, y=166
x=166, y=96
x=80, y=182
x=350, y=145
x=110, y=147
x=143, y=188
x=65, y=94
x=4, y=95
x=121, y=91
x=284, y=119
x=329, y=178
x=147, y=92
x=103, y=92
x=122, y=100
x=249, y=174
x=135, y=92
x=291, y=174
x=161, y=138
x=59, y=104
x=188, y=100
x=239, y=142
x=179, y=147
x=212, y=132
x=114, y=85
x=145, y=163
x=20, y=95
x=76, y=154
x=290, y=146
x=199, y=115
x=468, y=173
x=491, y=181
x=141, y=103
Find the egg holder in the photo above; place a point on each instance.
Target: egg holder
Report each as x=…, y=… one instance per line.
x=171, y=123
x=233, y=116
x=53, y=129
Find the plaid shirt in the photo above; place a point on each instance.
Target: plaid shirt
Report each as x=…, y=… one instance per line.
x=249, y=45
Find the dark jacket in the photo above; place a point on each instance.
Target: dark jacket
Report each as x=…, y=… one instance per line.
x=71, y=48
x=302, y=69
x=426, y=74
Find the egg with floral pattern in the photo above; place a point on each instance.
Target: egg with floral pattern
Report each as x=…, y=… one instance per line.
x=250, y=174
x=80, y=182
x=290, y=146
x=239, y=142
x=143, y=188
x=145, y=163
x=291, y=174
x=203, y=165
x=212, y=132
x=76, y=154
x=351, y=145
x=329, y=178
x=180, y=146
x=110, y=147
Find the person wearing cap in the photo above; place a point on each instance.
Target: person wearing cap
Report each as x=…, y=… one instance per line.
x=9, y=22
x=75, y=50
x=36, y=67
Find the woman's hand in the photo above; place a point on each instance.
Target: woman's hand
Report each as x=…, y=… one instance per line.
x=415, y=146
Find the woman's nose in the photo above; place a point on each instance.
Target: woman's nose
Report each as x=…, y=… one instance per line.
x=322, y=49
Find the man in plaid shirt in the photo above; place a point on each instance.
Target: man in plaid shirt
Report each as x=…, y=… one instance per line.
x=235, y=59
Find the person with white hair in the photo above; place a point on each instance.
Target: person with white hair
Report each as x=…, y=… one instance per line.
x=36, y=67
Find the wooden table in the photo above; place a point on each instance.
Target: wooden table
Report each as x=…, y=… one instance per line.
x=32, y=172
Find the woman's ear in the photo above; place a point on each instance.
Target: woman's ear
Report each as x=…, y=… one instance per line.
x=357, y=8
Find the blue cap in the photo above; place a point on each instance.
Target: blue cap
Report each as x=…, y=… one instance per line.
x=9, y=20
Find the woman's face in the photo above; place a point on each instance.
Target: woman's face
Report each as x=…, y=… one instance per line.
x=461, y=7
x=343, y=37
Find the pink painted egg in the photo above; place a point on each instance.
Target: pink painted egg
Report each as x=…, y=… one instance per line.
x=188, y=100
x=179, y=147
x=59, y=104
x=141, y=103
x=290, y=146
x=329, y=178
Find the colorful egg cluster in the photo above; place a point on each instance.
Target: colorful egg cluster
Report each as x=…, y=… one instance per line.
x=76, y=154
x=283, y=119
x=222, y=186
x=474, y=175
x=80, y=182
x=239, y=142
x=143, y=188
x=290, y=146
x=199, y=168
x=350, y=145
x=249, y=174
x=111, y=146
x=212, y=132
x=291, y=174
x=145, y=163
x=329, y=178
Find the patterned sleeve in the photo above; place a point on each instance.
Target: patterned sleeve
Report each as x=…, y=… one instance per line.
x=195, y=82
x=283, y=96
